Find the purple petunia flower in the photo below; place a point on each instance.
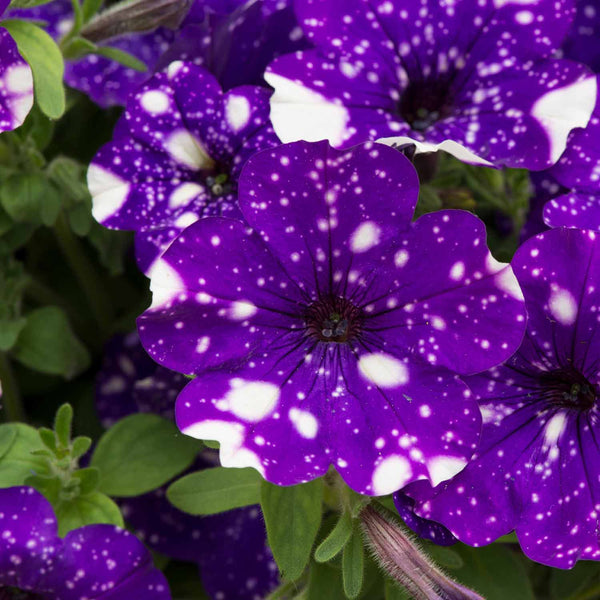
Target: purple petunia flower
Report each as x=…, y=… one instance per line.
x=230, y=549
x=583, y=41
x=468, y=77
x=536, y=469
x=95, y=561
x=237, y=45
x=176, y=156
x=578, y=171
x=330, y=333
x=16, y=81
x=105, y=81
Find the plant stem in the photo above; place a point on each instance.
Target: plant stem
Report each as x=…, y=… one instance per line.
x=92, y=286
x=10, y=397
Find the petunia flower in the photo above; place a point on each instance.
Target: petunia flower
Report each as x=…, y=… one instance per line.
x=230, y=549
x=237, y=40
x=578, y=172
x=583, y=41
x=176, y=156
x=16, y=81
x=92, y=562
x=468, y=77
x=331, y=332
x=105, y=81
x=537, y=468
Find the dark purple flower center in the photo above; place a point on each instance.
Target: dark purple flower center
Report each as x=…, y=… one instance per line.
x=567, y=388
x=424, y=102
x=220, y=183
x=333, y=319
x=11, y=593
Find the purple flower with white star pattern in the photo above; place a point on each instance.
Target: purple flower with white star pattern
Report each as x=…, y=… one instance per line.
x=176, y=156
x=583, y=42
x=92, y=562
x=468, y=77
x=578, y=170
x=230, y=549
x=332, y=331
x=237, y=46
x=16, y=81
x=537, y=468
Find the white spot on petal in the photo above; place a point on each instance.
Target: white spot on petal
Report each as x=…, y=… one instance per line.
x=365, y=237
x=252, y=400
x=237, y=111
x=563, y=306
x=165, y=283
x=109, y=192
x=555, y=428
x=187, y=150
x=442, y=468
x=242, y=309
x=305, y=423
x=391, y=474
x=457, y=271
x=183, y=194
x=401, y=258
x=155, y=102
x=383, y=370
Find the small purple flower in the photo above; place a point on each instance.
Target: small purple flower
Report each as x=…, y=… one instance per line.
x=468, y=77
x=536, y=470
x=230, y=549
x=237, y=45
x=176, y=156
x=583, y=41
x=16, y=81
x=330, y=332
x=578, y=171
x=88, y=563
x=105, y=81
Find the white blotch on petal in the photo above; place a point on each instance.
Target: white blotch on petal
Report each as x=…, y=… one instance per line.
x=203, y=344
x=555, y=428
x=501, y=3
x=155, y=102
x=187, y=150
x=449, y=146
x=251, y=400
x=457, y=271
x=305, y=423
x=391, y=474
x=109, y=192
x=383, y=370
x=186, y=219
x=165, y=283
x=401, y=258
x=298, y=113
x=563, y=306
x=506, y=281
x=242, y=309
x=549, y=110
x=183, y=194
x=237, y=112
x=442, y=468
x=18, y=79
x=365, y=237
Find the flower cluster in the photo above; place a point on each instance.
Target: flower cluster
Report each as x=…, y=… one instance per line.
x=323, y=306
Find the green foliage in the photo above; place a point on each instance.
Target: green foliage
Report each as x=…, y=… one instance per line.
x=86, y=510
x=353, y=564
x=17, y=462
x=569, y=585
x=140, y=453
x=291, y=538
x=336, y=540
x=325, y=582
x=47, y=344
x=28, y=3
x=46, y=62
x=215, y=490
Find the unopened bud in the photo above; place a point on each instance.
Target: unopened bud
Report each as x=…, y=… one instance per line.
x=135, y=16
x=406, y=563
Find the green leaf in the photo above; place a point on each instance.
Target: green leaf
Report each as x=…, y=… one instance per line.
x=62, y=424
x=28, y=3
x=122, y=57
x=48, y=438
x=49, y=487
x=292, y=515
x=336, y=540
x=80, y=446
x=140, y=453
x=88, y=479
x=353, y=564
x=90, y=8
x=9, y=332
x=29, y=198
x=47, y=344
x=87, y=510
x=46, y=62
x=215, y=490
x=485, y=570
x=18, y=462
x=324, y=583
x=444, y=556
x=565, y=585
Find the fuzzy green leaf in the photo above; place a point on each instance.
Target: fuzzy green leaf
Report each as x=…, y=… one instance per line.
x=353, y=564
x=336, y=540
x=87, y=510
x=215, y=490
